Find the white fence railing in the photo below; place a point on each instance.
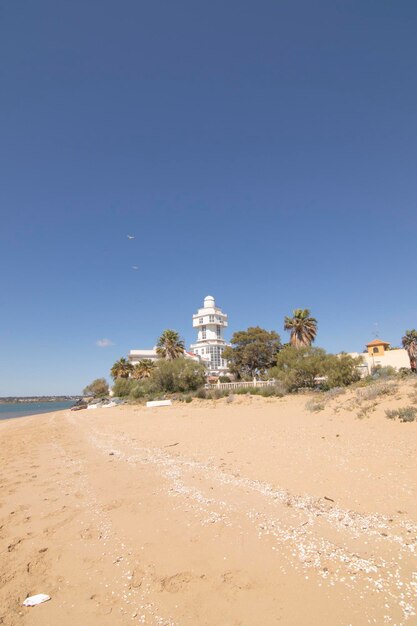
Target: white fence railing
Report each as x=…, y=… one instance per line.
x=240, y=384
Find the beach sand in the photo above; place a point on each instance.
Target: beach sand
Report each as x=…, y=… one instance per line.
x=246, y=513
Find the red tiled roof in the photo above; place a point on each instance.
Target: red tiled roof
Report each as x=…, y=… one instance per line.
x=378, y=342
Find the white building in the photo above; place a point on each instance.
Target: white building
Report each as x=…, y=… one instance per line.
x=379, y=354
x=210, y=322
x=135, y=356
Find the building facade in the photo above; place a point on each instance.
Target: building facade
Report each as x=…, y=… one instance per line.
x=378, y=354
x=210, y=322
x=135, y=356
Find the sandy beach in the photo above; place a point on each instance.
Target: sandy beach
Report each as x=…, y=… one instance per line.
x=246, y=513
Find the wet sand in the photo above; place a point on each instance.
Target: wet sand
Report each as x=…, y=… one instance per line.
x=252, y=513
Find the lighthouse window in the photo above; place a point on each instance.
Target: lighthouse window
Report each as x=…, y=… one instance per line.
x=211, y=318
x=200, y=321
x=215, y=357
x=218, y=332
x=203, y=332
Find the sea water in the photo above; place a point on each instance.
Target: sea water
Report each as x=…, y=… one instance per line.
x=21, y=409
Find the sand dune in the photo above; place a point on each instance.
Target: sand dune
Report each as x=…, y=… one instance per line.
x=252, y=513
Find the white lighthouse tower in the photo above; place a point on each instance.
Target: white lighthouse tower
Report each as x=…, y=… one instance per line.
x=210, y=322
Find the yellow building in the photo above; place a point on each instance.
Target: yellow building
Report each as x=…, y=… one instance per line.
x=377, y=347
x=378, y=354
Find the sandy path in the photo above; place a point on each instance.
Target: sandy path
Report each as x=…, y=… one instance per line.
x=235, y=514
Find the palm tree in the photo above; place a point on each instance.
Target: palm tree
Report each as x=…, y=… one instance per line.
x=121, y=369
x=409, y=342
x=170, y=346
x=143, y=369
x=303, y=328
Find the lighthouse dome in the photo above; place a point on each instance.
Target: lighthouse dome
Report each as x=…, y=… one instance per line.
x=209, y=302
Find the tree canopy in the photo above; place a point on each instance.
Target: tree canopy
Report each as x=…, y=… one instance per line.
x=179, y=375
x=409, y=342
x=253, y=351
x=302, y=327
x=121, y=369
x=166, y=376
x=98, y=388
x=170, y=345
x=299, y=368
x=143, y=369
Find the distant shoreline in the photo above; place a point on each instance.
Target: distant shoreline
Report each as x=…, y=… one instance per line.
x=27, y=399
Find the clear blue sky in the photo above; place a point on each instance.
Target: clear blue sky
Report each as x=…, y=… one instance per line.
x=262, y=152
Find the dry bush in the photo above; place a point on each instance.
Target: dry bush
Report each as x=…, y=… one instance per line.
x=372, y=392
x=404, y=414
x=314, y=406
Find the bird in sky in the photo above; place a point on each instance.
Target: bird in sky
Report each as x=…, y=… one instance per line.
x=131, y=236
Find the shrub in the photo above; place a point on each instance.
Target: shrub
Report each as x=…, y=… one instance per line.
x=364, y=411
x=122, y=387
x=188, y=399
x=405, y=414
x=340, y=371
x=333, y=393
x=413, y=397
x=98, y=388
x=269, y=391
x=280, y=388
x=230, y=398
x=365, y=382
x=299, y=368
x=224, y=379
x=179, y=375
x=404, y=372
x=219, y=393
x=145, y=388
x=201, y=393
x=376, y=391
x=314, y=406
x=384, y=372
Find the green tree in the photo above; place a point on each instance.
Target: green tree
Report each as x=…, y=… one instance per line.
x=299, y=368
x=302, y=327
x=121, y=369
x=340, y=370
x=253, y=351
x=122, y=387
x=179, y=375
x=170, y=346
x=98, y=388
x=143, y=369
x=409, y=342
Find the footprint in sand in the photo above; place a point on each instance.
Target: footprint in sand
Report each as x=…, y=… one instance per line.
x=87, y=534
x=137, y=579
x=115, y=504
x=178, y=582
x=236, y=579
x=37, y=566
x=14, y=544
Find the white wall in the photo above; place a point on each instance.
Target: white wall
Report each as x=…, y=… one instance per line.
x=393, y=358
